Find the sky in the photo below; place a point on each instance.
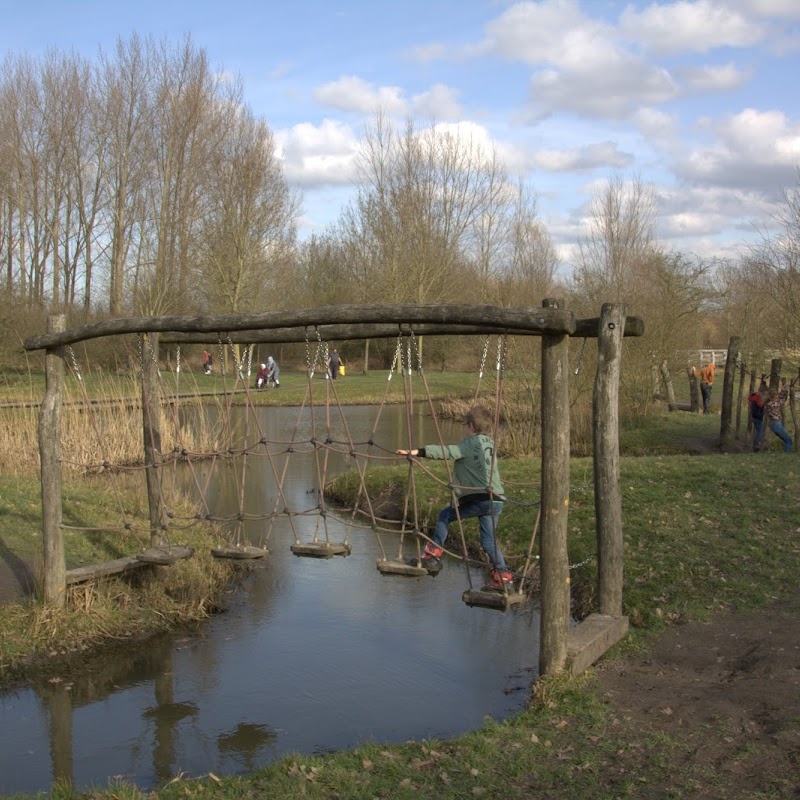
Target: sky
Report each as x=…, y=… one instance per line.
x=698, y=99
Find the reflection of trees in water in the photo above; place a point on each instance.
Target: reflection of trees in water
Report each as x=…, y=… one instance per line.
x=245, y=742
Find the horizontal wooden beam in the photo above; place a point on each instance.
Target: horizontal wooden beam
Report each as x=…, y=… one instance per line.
x=536, y=320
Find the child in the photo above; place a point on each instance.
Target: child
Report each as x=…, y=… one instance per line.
x=479, y=493
x=774, y=409
x=261, y=377
x=706, y=375
x=756, y=402
x=273, y=372
x=208, y=362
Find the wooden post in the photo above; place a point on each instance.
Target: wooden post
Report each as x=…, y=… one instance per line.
x=55, y=568
x=726, y=421
x=554, y=620
x=605, y=427
x=750, y=392
x=665, y=374
x=151, y=424
x=739, y=401
x=694, y=393
x=775, y=373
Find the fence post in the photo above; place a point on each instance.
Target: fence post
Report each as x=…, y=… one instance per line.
x=694, y=393
x=554, y=619
x=605, y=427
x=55, y=568
x=726, y=421
x=151, y=425
x=739, y=401
x=749, y=393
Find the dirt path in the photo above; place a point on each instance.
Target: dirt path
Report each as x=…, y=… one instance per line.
x=715, y=706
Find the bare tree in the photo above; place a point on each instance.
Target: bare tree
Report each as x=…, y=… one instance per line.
x=619, y=239
x=247, y=235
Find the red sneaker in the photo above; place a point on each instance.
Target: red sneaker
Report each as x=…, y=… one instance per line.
x=501, y=582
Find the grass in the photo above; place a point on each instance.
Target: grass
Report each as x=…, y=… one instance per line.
x=703, y=534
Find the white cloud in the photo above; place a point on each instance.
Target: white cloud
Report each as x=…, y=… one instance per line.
x=438, y=102
x=353, y=94
x=587, y=157
x=689, y=26
x=790, y=9
x=754, y=149
x=318, y=155
x=709, y=78
x=655, y=124
x=427, y=53
x=613, y=92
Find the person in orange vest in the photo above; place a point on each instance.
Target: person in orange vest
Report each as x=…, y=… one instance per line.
x=706, y=375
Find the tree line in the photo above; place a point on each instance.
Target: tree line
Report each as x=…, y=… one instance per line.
x=140, y=182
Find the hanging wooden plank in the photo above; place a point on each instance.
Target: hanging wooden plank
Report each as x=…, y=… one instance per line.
x=165, y=554
x=397, y=567
x=321, y=549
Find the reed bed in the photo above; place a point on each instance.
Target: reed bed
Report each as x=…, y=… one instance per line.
x=107, y=428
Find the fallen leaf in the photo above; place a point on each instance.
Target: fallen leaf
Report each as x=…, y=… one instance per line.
x=367, y=764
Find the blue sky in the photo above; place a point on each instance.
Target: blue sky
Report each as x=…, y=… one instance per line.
x=698, y=98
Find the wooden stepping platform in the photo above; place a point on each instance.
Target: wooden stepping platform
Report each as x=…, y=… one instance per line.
x=477, y=597
x=395, y=567
x=239, y=552
x=588, y=640
x=321, y=549
x=166, y=555
x=107, y=568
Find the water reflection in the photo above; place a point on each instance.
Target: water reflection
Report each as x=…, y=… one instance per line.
x=313, y=655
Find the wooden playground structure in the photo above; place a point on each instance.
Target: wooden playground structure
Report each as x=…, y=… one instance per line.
x=562, y=647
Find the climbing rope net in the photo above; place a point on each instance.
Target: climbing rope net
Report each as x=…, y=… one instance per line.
x=320, y=433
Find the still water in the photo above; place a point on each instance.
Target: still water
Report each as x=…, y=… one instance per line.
x=311, y=656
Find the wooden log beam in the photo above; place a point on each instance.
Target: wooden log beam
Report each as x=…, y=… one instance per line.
x=634, y=326
x=542, y=320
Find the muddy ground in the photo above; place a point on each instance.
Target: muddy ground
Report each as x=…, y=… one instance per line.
x=712, y=711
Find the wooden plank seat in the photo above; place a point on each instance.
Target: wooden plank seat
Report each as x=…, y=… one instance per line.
x=103, y=570
x=321, y=549
x=492, y=599
x=396, y=567
x=239, y=552
x=165, y=554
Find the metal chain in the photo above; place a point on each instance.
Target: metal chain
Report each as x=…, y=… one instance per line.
x=221, y=354
x=74, y=362
x=501, y=354
x=483, y=357
x=398, y=353
x=236, y=362
x=178, y=359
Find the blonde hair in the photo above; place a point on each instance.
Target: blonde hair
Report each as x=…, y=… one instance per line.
x=480, y=418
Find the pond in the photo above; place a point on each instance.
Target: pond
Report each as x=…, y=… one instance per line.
x=311, y=656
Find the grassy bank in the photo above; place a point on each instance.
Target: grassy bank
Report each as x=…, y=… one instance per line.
x=703, y=534
x=143, y=602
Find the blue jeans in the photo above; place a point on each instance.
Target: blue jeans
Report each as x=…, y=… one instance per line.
x=488, y=514
x=781, y=432
x=758, y=432
x=705, y=390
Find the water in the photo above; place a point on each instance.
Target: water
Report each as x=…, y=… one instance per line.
x=313, y=655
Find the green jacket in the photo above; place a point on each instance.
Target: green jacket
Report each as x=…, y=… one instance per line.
x=473, y=465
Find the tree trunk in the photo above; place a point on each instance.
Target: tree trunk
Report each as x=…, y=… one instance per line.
x=726, y=420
